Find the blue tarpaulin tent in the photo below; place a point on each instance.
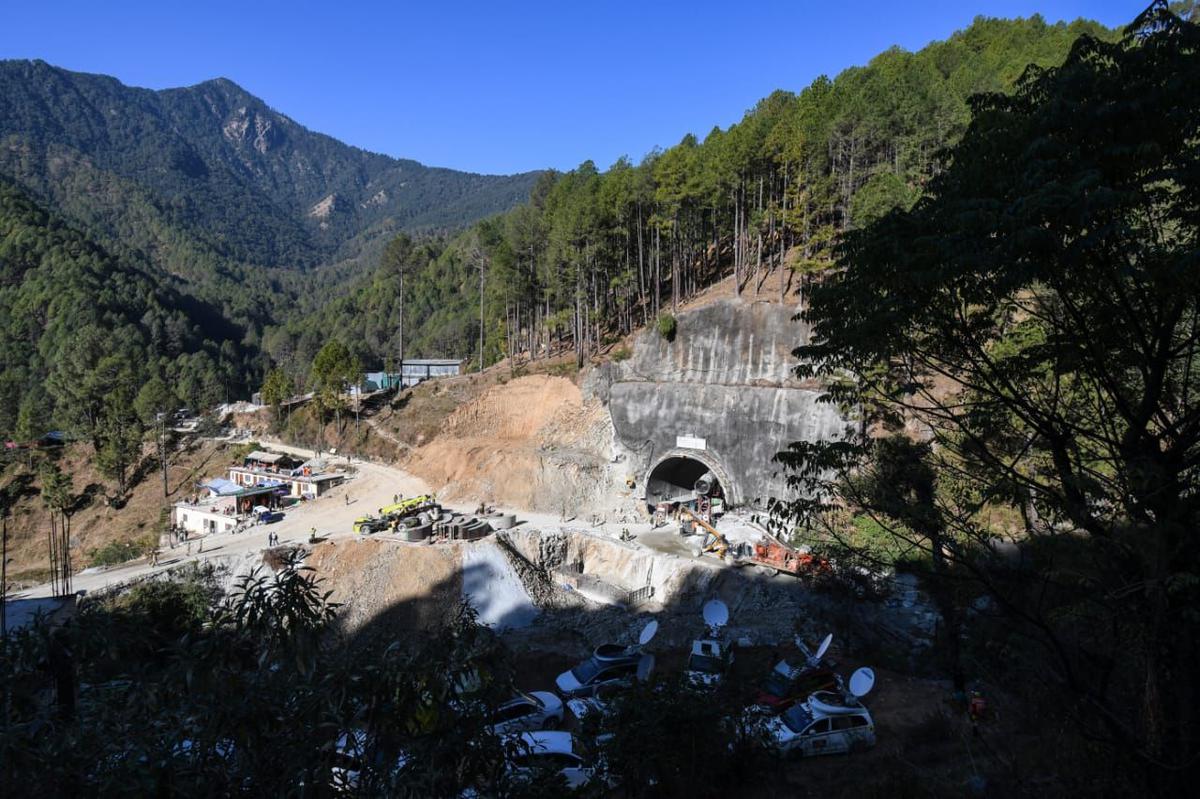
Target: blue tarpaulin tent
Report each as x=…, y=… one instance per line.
x=222, y=487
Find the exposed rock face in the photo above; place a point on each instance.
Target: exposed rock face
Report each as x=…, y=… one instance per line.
x=721, y=393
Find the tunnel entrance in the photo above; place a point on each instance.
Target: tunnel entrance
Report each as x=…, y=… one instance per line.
x=674, y=480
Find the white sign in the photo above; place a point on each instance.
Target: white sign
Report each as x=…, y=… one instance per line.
x=690, y=442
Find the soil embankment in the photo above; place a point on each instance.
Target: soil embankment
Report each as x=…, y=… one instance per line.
x=532, y=442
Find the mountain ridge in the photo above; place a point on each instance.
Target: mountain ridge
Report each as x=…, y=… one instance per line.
x=226, y=167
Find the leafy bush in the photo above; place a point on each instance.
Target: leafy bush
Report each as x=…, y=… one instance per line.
x=666, y=326
x=621, y=354
x=116, y=552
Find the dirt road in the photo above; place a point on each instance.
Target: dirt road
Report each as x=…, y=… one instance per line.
x=372, y=486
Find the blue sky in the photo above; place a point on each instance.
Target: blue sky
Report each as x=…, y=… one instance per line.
x=498, y=86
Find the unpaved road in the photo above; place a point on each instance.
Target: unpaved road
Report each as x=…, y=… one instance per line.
x=372, y=487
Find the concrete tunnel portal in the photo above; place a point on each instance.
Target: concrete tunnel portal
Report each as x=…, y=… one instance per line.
x=673, y=478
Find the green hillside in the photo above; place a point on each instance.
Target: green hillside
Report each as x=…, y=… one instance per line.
x=595, y=254
x=212, y=169
x=83, y=331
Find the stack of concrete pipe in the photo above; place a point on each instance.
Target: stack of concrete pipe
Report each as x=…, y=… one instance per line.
x=461, y=528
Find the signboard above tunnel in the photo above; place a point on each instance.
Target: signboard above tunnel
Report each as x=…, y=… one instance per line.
x=690, y=442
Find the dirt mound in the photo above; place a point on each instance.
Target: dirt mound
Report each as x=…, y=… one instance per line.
x=531, y=443
x=386, y=586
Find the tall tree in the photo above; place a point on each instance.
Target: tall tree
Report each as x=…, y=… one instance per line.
x=1038, y=314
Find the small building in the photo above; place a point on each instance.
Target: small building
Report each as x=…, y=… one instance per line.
x=412, y=371
x=303, y=482
x=417, y=370
x=274, y=462
x=205, y=517
x=244, y=498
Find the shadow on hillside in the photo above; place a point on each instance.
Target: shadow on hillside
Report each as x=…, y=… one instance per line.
x=766, y=614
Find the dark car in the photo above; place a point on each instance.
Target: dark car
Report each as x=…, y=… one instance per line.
x=269, y=516
x=788, y=684
x=610, y=664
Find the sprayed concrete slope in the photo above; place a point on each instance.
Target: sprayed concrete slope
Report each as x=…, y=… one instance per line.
x=722, y=392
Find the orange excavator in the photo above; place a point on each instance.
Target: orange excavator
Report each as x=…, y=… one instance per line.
x=768, y=554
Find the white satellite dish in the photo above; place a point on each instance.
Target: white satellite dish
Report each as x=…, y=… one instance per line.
x=862, y=681
x=648, y=632
x=716, y=613
x=822, y=649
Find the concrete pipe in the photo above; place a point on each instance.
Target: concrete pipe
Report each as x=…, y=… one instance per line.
x=705, y=485
x=503, y=521
x=417, y=534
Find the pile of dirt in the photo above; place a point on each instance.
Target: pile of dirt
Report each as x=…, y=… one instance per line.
x=386, y=586
x=532, y=443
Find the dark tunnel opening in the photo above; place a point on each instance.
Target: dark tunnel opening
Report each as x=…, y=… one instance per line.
x=674, y=480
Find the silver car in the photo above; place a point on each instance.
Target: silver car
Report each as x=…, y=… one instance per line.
x=538, y=710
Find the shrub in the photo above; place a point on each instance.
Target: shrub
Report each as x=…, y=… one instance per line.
x=117, y=552
x=621, y=354
x=666, y=326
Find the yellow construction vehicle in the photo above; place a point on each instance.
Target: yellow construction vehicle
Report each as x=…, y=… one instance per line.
x=714, y=542
x=407, y=506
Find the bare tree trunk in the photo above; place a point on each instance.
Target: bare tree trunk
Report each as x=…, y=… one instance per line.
x=162, y=453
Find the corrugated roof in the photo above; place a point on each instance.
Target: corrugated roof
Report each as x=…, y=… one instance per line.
x=265, y=457
x=432, y=361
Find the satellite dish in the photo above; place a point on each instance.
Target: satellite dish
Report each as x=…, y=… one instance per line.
x=822, y=649
x=716, y=613
x=648, y=632
x=862, y=681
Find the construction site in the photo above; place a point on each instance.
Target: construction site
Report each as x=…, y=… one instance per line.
x=568, y=510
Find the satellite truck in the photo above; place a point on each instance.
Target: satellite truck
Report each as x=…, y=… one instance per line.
x=712, y=655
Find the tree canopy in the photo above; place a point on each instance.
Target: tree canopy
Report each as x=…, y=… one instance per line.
x=1034, y=316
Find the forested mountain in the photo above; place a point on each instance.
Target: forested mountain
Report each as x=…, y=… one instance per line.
x=84, y=332
x=211, y=186
x=218, y=163
x=595, y=254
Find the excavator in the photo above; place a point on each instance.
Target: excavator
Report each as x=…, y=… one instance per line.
x=769, y=554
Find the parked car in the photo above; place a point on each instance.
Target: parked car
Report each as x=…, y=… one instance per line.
x=609, y=664
x=269, y=516
x=788, y=684
x=709, y=662
x=538, y=710
x=828, y=722
x=554, y=750
x=712, y=655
